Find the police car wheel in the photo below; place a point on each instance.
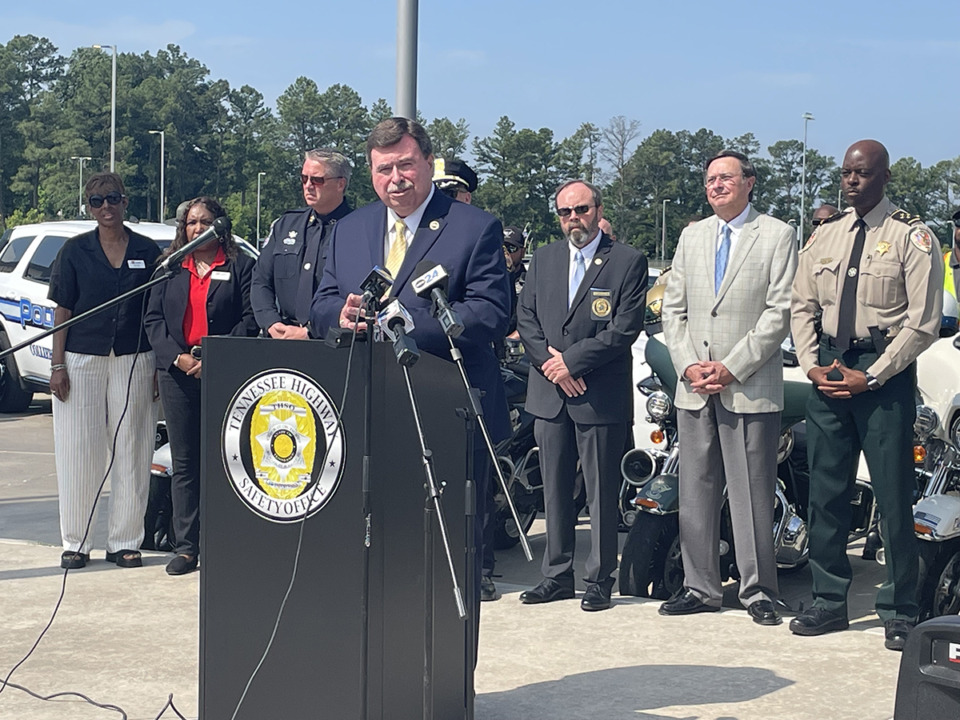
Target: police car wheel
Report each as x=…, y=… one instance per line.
x=13, y=398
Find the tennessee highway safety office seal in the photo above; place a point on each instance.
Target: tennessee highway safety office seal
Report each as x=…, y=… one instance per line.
x=283, y=447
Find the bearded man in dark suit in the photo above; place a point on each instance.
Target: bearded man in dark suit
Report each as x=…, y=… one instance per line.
x=580, y=310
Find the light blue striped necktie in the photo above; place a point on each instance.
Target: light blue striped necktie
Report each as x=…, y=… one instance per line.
x=578, y=272
x=723, y=254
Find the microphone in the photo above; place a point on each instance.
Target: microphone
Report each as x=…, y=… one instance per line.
x=374, y=286
x=220, y=229
x=431, y=282
x=394, y=319
x=396, y=322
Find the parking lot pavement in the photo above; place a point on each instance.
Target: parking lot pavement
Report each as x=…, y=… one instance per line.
x=129, y=637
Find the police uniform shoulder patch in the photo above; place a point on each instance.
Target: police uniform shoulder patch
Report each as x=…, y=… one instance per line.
x=905, y=217
x=810, y=240
x=921, y=239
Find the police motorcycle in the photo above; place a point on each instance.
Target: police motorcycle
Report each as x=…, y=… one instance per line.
x=651, y=565
x=936, y=515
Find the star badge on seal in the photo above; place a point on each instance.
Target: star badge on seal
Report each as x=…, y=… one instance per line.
x=920, y=237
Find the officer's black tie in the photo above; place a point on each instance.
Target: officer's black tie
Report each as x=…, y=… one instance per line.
x=847, y=317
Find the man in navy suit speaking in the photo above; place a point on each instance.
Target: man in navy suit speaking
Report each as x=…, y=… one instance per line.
x=413, y=222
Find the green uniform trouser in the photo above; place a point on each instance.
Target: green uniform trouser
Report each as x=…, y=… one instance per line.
x=880, y=423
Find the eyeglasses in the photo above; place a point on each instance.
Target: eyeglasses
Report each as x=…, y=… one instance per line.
x=724, y=179
x=316, y=181
x=510, y=248
x=578, y=209
x=114, y=198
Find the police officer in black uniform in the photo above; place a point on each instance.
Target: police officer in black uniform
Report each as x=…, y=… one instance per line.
x=291, y=263
x=873, y=275
x=455, y=178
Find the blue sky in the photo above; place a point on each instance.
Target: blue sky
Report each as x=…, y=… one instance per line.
x=879, y=69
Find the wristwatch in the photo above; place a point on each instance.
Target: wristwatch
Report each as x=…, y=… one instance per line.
x=872, y=382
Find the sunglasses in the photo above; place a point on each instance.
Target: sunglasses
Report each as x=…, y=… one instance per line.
x=510, y=248
x=817, y=222
x=316, y=181
x=114, y=198
x=579, y=210
x=956, y=223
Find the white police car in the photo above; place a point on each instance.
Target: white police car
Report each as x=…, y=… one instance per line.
x=27, y=253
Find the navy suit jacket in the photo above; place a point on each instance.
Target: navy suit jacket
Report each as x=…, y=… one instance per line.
x=595, y=338
x=228, y=309
x=467, y=242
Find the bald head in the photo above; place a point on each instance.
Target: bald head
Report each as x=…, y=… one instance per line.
x=824, y=211
x=864, y=175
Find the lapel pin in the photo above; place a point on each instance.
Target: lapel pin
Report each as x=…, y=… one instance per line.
x=597, y=261
x=434, y=224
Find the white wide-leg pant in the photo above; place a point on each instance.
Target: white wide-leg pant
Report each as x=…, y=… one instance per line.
x=84, y=426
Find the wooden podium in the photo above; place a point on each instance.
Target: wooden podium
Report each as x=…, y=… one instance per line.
x=268, y=421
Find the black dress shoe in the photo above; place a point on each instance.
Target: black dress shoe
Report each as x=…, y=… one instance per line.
x=686, y=603
x=763, y=613
x=547, y=591
x=597, y=597
x=182, y=564
x=896, y=632
x=817, y=621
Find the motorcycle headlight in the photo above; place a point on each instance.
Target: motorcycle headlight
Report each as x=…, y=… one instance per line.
x=659, y=406
x=926, y=423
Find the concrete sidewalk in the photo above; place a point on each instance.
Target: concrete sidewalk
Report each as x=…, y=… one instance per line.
x=129, y=637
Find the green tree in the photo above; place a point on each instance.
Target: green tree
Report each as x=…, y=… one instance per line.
x=449, y=138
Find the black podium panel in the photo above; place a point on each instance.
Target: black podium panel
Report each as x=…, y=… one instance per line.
x=264, y=413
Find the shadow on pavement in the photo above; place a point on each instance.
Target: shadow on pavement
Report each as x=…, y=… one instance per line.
x=626, y=693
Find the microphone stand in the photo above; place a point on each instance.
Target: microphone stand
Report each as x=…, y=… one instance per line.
x=477, y=410
x=470, y=520
x=169, y=273
x=432, y=512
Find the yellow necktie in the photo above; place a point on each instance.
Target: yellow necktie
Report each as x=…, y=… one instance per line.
x=398, y=249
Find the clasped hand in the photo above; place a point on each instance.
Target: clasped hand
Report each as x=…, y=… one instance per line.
x=852, y=382
x=555, y=370
x=708, y=377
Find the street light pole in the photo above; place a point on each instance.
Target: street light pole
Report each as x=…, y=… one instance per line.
x=113, y=108
x=663, y=234
x=81, y=158
x=163, y=198
x=807, y=117
x=259, y=175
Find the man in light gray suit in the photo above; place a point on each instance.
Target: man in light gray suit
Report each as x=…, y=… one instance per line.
x=726, y=309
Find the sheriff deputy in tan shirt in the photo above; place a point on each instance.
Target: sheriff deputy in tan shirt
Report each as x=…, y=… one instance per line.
x=873, y=276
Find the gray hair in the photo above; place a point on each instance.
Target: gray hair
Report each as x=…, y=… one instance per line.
x=594, y=191
x=336, y=162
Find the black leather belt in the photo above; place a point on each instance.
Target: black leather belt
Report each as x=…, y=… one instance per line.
x=861, y=344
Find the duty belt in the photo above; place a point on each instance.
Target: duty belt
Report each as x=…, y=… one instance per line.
x=860, y=344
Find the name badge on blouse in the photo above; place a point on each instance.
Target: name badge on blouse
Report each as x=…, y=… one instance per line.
x=219, y=275
x=136, y=265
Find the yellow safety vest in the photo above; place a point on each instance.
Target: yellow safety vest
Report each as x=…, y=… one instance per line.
x=948, y=274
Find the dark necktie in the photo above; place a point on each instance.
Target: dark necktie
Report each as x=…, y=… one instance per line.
x=847, y=312
x=313, y=257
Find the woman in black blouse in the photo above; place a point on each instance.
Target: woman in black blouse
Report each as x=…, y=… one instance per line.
x=92, y=364
x=210, y=296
